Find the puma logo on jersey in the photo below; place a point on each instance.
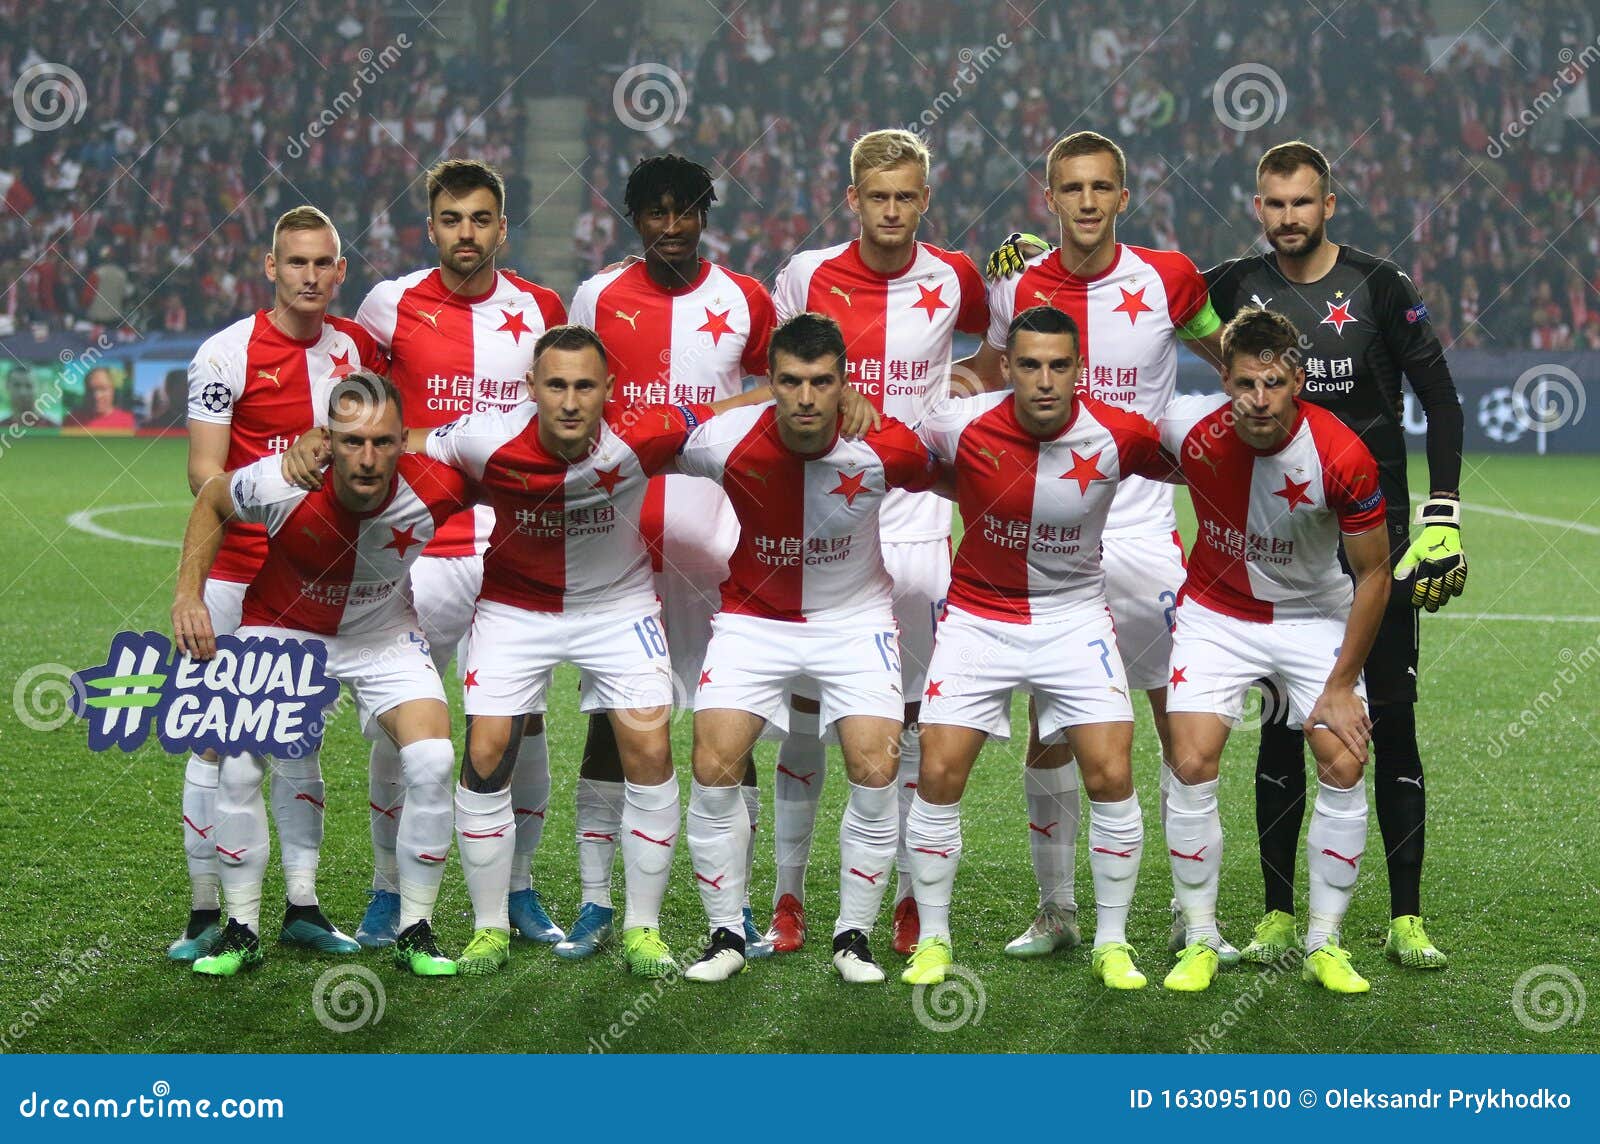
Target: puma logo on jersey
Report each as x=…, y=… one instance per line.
x=845, y=294
x=522, y=478
x=272, y=376
x=306, y=530
x=1044, y=299
x=992, y=458
x=433, y=318
x=632, y=319
x=1256, y=298
x=755, y=475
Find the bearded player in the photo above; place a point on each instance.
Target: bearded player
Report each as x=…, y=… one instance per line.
x=250, y=395
x=1133, y=306
x=461, y=338
x=1365, y=326
x=899, y=302
x=676, y=328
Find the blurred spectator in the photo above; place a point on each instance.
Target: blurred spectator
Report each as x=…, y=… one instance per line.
x=100, y=409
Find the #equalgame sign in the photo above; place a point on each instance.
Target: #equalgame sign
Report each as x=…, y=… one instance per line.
x=257, y=694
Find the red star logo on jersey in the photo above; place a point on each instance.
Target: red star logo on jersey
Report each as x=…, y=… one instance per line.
x=705, y=677
x=1293, y=491
x=471, y=680
x=716, y=325
x=1085, y=470
x=933, y=691
x=341, y=365
x=850, y=487
x=513, y=325
x=930, y=302
x=1338, y=316
x=1177, y=676
x=1133, y=305
x=404, y=538
x=607, y=479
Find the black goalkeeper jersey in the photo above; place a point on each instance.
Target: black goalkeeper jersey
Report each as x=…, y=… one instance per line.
x=1363, y=326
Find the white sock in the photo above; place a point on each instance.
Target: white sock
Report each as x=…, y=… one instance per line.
x=867, y=840
x=718, y=833
x=1334, y=844
x=802, y=769
x=297, y=802
x=650, y=823
x=242, y=842
x=752, y=810
x=1194, y=844
x=426, y=825
x=530, y=796
x=933, y=840
x=386, y=798
x=1116, y=843
x=599, y=814
x=1054, y=808
x=199, y=833
x=485, y=834
x=905, y=785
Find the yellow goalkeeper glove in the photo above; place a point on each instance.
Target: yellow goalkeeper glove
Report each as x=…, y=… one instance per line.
x=1434, y=565
x=1011, y=256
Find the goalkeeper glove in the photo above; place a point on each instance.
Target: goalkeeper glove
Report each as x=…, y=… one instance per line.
x=1434, y=564
x=1009, y=258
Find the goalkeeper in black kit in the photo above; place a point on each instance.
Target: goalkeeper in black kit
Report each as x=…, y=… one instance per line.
x=1364, y=326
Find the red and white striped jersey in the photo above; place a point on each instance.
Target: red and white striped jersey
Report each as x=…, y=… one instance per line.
x=809, y=546
x=1035, y=510
x=898, y=330
x=1129, y=320
x=451, y=354
x=263, y=385
x=694, y=344
x=566, y=534
x=332, y=571
x=1268, y=542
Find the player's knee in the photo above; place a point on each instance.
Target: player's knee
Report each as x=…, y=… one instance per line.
x=649, y=761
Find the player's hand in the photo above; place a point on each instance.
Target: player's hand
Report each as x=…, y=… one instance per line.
x=1341, y=711
x=857, y=417
x=1008, y=259
x=1434, y=565
x=191, y=627
x=303, y=461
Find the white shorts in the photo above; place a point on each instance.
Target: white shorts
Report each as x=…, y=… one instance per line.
x=1143, y=577
x=1071, y=668
x=225, y=601
x=621, y=657
x=689, y=598
x=381, y=669
x=921, y=574
x=1216, y=659
x=853, y=667
x=444, y=590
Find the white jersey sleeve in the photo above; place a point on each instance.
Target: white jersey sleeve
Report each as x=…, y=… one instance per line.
x=711, y=443
x=1182, y=414
x=216, y=381
x=585, y=299
x=941, y=430
x=789, y=292
x=380, y=312
x=261, y=495
x=1002, y=308
x=469, y=441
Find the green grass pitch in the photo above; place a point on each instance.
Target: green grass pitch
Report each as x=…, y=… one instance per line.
x=93, y=861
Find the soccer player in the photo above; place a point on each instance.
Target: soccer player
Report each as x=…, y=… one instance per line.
x=807, y=596
x=1036, y=470
x=676, y=328
x=250, y=395
x=1276, y=483
x=899, y=302
x=1132, y=306
x=461, y=338
x=335, y=570
x=1365, y=325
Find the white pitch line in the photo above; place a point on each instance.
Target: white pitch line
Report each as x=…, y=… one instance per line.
x=1530, y=518
x=84, y=521
x=1519, y=617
